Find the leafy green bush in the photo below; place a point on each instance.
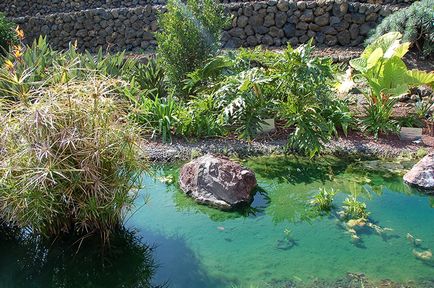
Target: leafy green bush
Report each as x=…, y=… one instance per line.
x=242, y=102
x=189, y=36
x=38, y=65
x=7, y=35
x=69, y=163
x=151, y=78
x=414, y=22
x=307, y=102
x=387, y=76
x=251, y=85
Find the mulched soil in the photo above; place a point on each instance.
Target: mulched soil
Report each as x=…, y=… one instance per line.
x=355, y=144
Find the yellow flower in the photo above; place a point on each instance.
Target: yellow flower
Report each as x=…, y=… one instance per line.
x=17, y=51
x=9, y=65
x=20, y=32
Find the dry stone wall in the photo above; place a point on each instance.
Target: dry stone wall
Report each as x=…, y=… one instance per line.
x=268, y=23
x=18, y=8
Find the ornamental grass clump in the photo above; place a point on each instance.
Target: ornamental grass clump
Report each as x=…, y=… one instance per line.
x=68, y=160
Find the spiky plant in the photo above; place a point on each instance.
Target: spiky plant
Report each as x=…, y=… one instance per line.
x=68, y=159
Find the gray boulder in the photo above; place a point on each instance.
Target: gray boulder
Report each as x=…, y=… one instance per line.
x=422, y=174
x=218, y=182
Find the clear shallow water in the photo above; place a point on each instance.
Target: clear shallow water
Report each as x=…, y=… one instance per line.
x=196, y=246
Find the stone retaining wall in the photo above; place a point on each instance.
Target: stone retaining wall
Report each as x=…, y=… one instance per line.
x=330, y=23
x=118, y=29
x=270, y=23
x=21, y=8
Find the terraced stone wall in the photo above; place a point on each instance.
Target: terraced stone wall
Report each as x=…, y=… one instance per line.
x=269, y=23
x=19, y=8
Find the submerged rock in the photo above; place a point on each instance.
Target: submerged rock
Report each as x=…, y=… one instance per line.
x=422, y=174
x=218, y=182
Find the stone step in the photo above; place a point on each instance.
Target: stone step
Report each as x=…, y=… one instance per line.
x=330, y=23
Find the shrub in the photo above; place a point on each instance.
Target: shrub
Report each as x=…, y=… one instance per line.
x=189, y=36
x=306, y=99
x=387, y=76
x=151, y=78
x=414, y=22
x=68, y=162
x=7, y=35
x=243, y=103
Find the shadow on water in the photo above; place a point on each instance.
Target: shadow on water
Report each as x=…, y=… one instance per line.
x=295, y=170
x=185, y=270
x=28, y=261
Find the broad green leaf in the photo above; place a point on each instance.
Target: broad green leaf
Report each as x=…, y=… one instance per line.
x=420, y=77
x=394, y=74
x=397, y=90
x=359, y=64
x=376, y=55
x=384, y=42
x=397, y=50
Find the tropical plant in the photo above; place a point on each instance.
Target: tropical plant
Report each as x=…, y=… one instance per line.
x=324, y=199
x=415, y=23
x=8, y=38
x=189, y=35
x=307, y=103
x=157, y=116
x=151, y=78
x=380, y=65
x=354, y=209
x=423, y=109
x=199, y=118
x=69, y=161
x=243, y=103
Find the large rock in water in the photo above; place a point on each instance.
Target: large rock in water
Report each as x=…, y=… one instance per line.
x=218, y=182
x=422, y=174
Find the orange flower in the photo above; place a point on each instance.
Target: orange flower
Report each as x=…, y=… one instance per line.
x=20, y=32
x=17, y=51
x=9, y=65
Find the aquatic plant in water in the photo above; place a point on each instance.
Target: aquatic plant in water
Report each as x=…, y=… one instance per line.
x=324, y=199
x=353, y=209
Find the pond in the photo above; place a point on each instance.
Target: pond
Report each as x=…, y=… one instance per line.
x=279, y=242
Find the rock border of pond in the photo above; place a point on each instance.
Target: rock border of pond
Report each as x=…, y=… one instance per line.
x=353, y=146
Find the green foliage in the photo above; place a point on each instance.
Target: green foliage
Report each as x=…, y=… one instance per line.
x=380, y=65
x=39, y=65
x=252, y=85
x=354, y=209
x=243, y=103
x=377, y=117
x=200, y=118
x=324, y=199
x=307, y=103
x=69, y=162
x=151, y=78
x=189, y=36
x=415, y=23
x=157, y=116
x=7, y=35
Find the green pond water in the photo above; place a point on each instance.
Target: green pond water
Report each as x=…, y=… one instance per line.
x=280, y=241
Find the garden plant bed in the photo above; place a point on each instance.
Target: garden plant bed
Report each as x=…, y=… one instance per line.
x=354, y=145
